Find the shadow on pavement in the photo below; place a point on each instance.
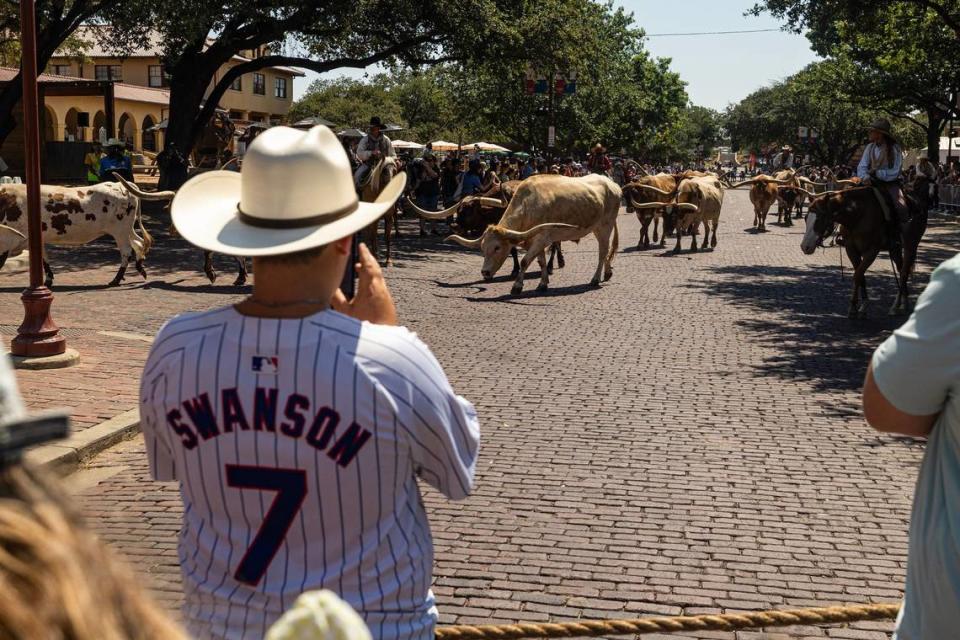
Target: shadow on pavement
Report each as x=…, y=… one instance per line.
x=809, y=334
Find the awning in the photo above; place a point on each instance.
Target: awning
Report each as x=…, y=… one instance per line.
x=351, y=133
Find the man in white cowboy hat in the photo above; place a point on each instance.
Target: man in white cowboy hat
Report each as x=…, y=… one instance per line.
x=784, y=159
x=880, y=167
x=297, y=421
x=371, y=149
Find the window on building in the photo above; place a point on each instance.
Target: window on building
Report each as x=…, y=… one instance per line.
x=259, y=84
x=107, y=72
x=60, y=69
x=237, y=85
x=157, y=78
x=280, y=88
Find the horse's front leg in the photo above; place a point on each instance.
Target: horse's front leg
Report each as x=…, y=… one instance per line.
x=859, y=307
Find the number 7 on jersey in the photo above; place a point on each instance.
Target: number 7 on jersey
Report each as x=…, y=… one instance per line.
x=291, y=488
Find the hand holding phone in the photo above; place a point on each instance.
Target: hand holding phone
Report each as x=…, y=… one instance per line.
x=372, y=301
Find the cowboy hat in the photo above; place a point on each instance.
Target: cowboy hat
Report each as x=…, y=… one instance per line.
x=883, y=126
x=294, y=192
x=376, y=122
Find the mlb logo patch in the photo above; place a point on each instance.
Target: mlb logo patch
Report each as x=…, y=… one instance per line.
x=266, y=364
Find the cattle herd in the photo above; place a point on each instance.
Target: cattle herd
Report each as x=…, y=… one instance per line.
x=534, y=215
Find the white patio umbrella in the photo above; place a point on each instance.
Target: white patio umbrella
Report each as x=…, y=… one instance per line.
x=486, y=146
x=443, y=145
x=406, y=144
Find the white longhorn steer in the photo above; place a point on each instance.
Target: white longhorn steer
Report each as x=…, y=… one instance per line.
x=75, y=216
x=547, y=209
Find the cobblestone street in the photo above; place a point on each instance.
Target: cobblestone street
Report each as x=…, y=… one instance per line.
x=685, y=439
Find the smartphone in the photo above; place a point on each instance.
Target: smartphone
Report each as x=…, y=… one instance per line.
x=349, y=283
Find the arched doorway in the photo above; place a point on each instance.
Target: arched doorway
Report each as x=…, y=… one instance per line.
x=126, y=128
x=148, y=139
x=49, y=124
x=100, y=123
x=70, y=125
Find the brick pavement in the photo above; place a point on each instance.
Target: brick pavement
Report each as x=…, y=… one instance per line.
x=685, y=439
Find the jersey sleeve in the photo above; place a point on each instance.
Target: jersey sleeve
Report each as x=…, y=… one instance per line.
x=916, y=367
x=153, y=385
x=442, y=428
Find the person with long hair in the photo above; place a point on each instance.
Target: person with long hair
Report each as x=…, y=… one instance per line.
x=880, y=168
x=57, y=578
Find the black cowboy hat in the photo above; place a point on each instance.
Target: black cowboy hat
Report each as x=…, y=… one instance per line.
x=376, y=122
x=883, y=126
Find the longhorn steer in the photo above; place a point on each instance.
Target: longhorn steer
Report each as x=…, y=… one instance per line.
x=662, y=188
x=476, y=213
x=764, y=191
x=547, y=209
x=703, y=198
x=77, y=216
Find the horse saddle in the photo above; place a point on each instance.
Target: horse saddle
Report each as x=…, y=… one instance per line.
x=883, y=199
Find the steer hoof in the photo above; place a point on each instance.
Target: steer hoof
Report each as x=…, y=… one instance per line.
x=541, y=287
x=114, y=283
x=211, y=276
x=516, y=288
x=608, y=275
x=595, y=283
x=48, y=283
x=240, y=281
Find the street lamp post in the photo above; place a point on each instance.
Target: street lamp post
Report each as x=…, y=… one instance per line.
x=37, y=336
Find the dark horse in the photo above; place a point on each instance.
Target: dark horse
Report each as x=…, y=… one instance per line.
x=866, y=233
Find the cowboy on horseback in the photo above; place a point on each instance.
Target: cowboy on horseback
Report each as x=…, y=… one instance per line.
x=372, y=148
x=880, y=168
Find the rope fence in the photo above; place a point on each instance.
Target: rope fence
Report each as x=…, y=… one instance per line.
x=640, y=626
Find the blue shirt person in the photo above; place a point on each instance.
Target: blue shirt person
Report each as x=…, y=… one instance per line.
x=913, y=387
x=115, y=161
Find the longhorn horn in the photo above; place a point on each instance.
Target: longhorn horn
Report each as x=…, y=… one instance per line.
x=809, y=193
x=745, y=183
x=5, y=228
x=520, y=236
x=647, y=205
x=490, y=202
x=144, y=195
x=639, y=168
x=654, y=189
x=464, y=242
x=434, y=215
x=686, y=206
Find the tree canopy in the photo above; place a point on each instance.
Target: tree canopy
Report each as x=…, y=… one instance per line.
x=899, y=57
x=625, y=98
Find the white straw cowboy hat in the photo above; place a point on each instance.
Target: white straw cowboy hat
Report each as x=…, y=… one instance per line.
x=294, y=192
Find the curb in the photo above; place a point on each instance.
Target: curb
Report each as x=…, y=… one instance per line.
x=66, y=456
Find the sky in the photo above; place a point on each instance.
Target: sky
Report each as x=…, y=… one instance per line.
x=718, y=69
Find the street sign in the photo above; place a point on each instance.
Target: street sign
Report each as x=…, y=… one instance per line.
x=551, y=136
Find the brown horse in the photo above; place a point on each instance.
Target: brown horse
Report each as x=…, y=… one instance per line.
x=866, y=233
x=380, y=176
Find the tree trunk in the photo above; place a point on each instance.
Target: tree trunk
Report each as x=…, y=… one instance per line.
x=934, y=125
x=9, y=99
x=47, y=44
x=183, y=129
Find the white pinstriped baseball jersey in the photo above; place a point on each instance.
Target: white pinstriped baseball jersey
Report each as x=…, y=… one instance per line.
x=296, y=443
